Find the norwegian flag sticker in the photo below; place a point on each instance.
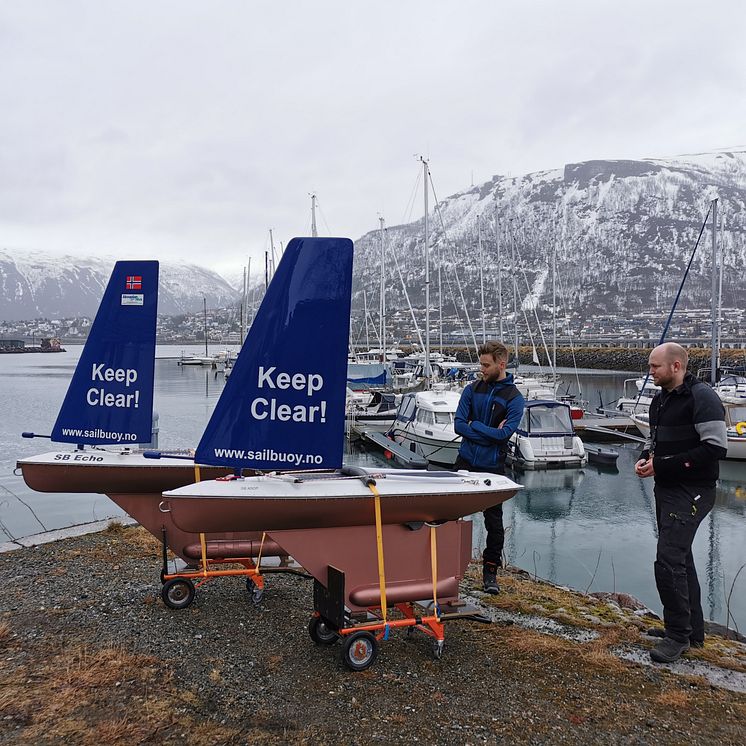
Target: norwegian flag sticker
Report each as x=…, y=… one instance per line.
x=134, y=282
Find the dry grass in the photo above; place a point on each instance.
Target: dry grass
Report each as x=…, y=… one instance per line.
x=674, y=698
x=92, y=696
x=215, y=676
x=5, y=634
x=521, y=594
x=524, y=595
x=543, y=646
x=80, y=694
x=133, y=537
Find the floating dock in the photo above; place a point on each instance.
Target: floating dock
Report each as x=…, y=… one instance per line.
x=403, y=456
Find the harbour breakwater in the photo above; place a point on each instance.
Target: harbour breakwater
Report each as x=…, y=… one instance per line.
x=613, y=358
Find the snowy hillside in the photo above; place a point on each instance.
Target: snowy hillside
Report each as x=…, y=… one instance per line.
x=623, y=232
x=34, y=284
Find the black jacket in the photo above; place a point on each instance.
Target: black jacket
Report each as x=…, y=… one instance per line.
x=687, y=434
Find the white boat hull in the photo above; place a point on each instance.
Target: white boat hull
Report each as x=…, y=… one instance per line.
x=439, y=452
x=736, y=443
x=546, y=452
x=324, y=500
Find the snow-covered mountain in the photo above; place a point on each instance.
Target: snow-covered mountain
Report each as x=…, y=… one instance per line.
x=623, y=233
x=35, y=284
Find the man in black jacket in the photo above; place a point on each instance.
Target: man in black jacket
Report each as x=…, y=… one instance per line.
x=687, y=438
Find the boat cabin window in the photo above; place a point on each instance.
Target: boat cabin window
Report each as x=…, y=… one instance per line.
x=736, y=414
x=443, y=418
x=406, y=409
x=547, y=419
x=425, y=416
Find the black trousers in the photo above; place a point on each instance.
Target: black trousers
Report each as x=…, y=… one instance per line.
x=679, y=511
x=493, y=520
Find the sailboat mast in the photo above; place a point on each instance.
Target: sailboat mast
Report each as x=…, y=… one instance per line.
x=427, y=278
x=204, y=315
x=365, y=316
x=554, y=318
x=481, y=275
x=440, y=295
x=515, y=292
x=243, y=305
x=499, y=274
x=720, y=282
x=383, y=296
x=272, y=246
x=314, y=232
x=246, y=300
x=714, y=342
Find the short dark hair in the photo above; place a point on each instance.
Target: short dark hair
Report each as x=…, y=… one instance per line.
x=497, y=349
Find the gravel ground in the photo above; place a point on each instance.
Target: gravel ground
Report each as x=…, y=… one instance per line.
x=90, y=654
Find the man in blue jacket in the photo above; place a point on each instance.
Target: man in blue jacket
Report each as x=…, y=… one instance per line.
x=687, y=438
x=487, y=415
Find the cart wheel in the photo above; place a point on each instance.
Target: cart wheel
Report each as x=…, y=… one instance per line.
x=359, y=651
x=177, y=593
x=254, y=590
x=438, y=646
x=321, y=633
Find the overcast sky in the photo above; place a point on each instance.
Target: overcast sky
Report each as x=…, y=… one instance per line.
x=188, y=128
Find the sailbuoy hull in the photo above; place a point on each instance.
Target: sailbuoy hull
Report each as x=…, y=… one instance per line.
x=103, y=471
x=136, y=484
x=408, y=560
x=287, y=502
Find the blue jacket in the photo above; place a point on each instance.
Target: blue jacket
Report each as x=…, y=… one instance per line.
x=482, y=408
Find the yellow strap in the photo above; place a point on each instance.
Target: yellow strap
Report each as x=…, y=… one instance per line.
x=261, y=546
x=196, y=473
x=434, y=565
x=204, y=554
x=379, y=549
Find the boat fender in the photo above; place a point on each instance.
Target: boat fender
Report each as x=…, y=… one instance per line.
x=740, y=428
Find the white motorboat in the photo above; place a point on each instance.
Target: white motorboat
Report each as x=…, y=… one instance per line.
x=545, y=438
x=637, y=395
x=425, y=424
x=735, y=424
x=377, y=414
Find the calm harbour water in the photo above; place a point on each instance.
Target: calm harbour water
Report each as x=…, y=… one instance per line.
x=588, y=528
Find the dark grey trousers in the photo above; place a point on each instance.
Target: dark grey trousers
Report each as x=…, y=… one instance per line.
x=679, y=511
x=493, y=519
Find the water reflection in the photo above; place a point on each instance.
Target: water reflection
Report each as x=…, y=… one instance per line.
x=548, y=495
x=591, y=528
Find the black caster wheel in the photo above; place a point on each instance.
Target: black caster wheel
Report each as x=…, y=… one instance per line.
x=177, y=593
x=438, y=646
x=255, y=592
x=360, y=651
x=321, y=633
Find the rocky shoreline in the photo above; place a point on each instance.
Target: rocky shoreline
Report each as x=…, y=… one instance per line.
x=622, y=359
x=91, y=655
x=627, y=359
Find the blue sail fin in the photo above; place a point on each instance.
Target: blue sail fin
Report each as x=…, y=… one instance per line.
x=283, y=406
x=110, y=397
